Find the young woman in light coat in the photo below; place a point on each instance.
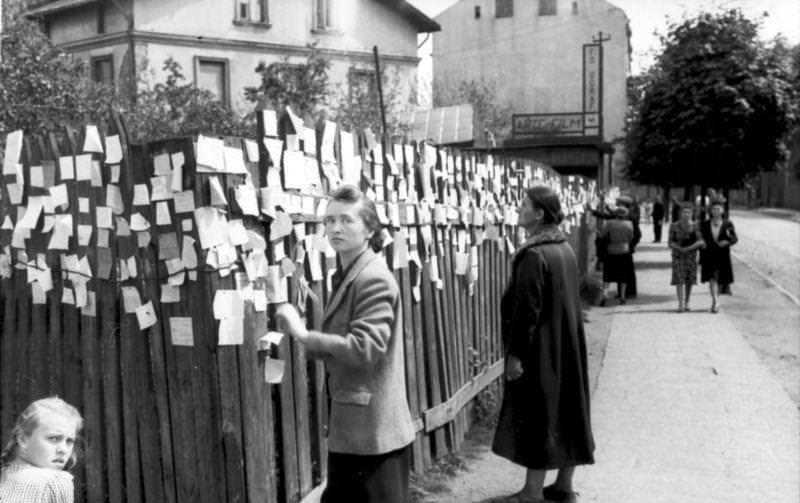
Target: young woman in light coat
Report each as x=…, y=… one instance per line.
x=361, y=342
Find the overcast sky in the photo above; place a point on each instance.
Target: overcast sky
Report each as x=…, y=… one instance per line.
x=647, y=16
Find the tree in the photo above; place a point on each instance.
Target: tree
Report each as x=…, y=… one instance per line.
x=42, y=87
x=492, y=119
x=716, y=107
x=176, y=108
x=303, y=86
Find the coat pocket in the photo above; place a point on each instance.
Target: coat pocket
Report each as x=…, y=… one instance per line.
x=353, y=397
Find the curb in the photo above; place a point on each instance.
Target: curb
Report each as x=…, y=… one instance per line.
x=769, y=280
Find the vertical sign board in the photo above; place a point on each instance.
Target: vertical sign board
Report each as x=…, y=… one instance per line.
x=592, y=89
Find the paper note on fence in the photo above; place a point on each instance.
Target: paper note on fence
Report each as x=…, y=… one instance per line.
x=91, y=141
x=146, y=316
x=231, y=331
x=180, y=329
x=234, y=160
x=184, y=201
x=274, y=370
x=12, y=152
x=113, y=150
x=212, y=227
x=210, y=155
x=294, y=170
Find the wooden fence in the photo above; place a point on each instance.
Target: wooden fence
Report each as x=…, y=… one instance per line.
x=110, y=296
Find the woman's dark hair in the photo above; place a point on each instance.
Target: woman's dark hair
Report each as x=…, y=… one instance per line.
x=546, y=199
x=367, y=212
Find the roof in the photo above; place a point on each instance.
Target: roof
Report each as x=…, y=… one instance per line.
x=559, y=142
x=416, y=17
x=45, y=8
x=443, y=125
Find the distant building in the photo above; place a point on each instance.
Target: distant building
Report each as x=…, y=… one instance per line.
x=534, y=54
x=219, y=43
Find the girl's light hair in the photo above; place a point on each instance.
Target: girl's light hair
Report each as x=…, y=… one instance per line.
x=32, y=417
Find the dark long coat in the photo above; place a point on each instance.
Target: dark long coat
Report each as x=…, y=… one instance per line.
x=715, y=260
x=544, y=419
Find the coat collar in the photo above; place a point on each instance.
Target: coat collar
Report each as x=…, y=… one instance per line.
x=355, y=268
x=551, y=234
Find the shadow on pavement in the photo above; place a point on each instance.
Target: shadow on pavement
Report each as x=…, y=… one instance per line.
x=653, y=265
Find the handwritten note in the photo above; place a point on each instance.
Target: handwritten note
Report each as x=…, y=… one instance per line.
x=180, y=329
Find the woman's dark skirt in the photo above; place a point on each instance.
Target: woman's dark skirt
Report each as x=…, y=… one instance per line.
x=356, y=478
x=618, y=268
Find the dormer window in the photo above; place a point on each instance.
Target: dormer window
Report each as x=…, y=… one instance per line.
x=504, y=8
x=251, y=11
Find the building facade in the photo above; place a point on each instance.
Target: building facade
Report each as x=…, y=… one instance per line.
x=219, y=43
x=572, y=100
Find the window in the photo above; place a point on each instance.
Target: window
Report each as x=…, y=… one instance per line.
x=211, y=74
x=477, y=12
x=323, y=15
x=251, y=11
x=363, y=86
x=504, y=8
x=574, y=8
x=101, y=18
x=547, y=7
x=103, y=69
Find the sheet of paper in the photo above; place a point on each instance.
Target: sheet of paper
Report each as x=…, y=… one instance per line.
x=274, y=149
x=212, y=226
x=146, y=316
x=131, y=301
x=91, y=141
x=177, y=178
x=84, y=234
x=34, y=209
x=186, y=225
x=237, y=234
x=234, y=160
x=184, y=201
x=67, y=296
x=66, y=167
x=309, y=141
x=90, y=307
x=113, y=150
x=143, y=239
x=311, y=171
x=114, y=199
x=178, y=160
x=231, y=331
x=83, y=204
x=170, y=294
x=105, y=218
x=274, y=370
x=180, y=330
x=228, y=304
x=12, y=151
x=168, y=246
x=97, y=174
x=62, y=231
x=83, y=167
x=14, y=193
x=36, y=176
x=297, y=122
x=162, y=213
x=276, y=286
x=259, y=300
x=141, y=195
x=294, y=170
x=139, y=223
x=210, y=154
x=246, y=199
x=161, y=165
x=188, y=253
x=217, y=192
x=113, y=173
x=161, y=189
x=270, y=122
x=251, y=147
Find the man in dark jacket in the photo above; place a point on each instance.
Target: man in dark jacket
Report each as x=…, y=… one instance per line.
x=658, y=219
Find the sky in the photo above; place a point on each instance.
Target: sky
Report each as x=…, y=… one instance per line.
x=647, y=16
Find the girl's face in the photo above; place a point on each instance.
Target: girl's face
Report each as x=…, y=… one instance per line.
x=345, y=228
x=51, y=443
x=716, y=211
x=528, y=215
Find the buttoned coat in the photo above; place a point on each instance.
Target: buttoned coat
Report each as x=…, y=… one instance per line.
x=361, y=343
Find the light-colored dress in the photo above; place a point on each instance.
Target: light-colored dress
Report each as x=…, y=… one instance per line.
x=21, y=482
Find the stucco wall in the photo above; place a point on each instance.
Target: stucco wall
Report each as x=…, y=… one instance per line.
x=75, y=24
x=534, y=62
x=290, y=23
x=242, y=66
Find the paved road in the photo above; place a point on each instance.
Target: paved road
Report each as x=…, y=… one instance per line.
x=771, y=245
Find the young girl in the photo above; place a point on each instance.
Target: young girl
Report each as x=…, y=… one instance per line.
x=41, y=448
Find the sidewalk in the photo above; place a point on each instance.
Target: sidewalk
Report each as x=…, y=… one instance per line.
x=684, y=412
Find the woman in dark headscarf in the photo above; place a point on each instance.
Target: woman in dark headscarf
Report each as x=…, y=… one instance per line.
x=544, y=421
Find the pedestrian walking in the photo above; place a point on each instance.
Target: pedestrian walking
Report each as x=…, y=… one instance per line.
x=361, y=343
x=618, y=267
x=544, y=421
x=658, y=219
x=715, y=258
x=675, y=210
x=684, y=240
x=41, y=450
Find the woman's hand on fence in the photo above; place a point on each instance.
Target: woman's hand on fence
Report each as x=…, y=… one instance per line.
x=290, y=322
x=513, y=368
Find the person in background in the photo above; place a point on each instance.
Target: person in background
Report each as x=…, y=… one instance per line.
x=684, y=240
x=361, y=343
x=675, y=209
x=618, y=233
x=34, y=464
x=715, y=259
x=658, y=218
x=544, y=422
